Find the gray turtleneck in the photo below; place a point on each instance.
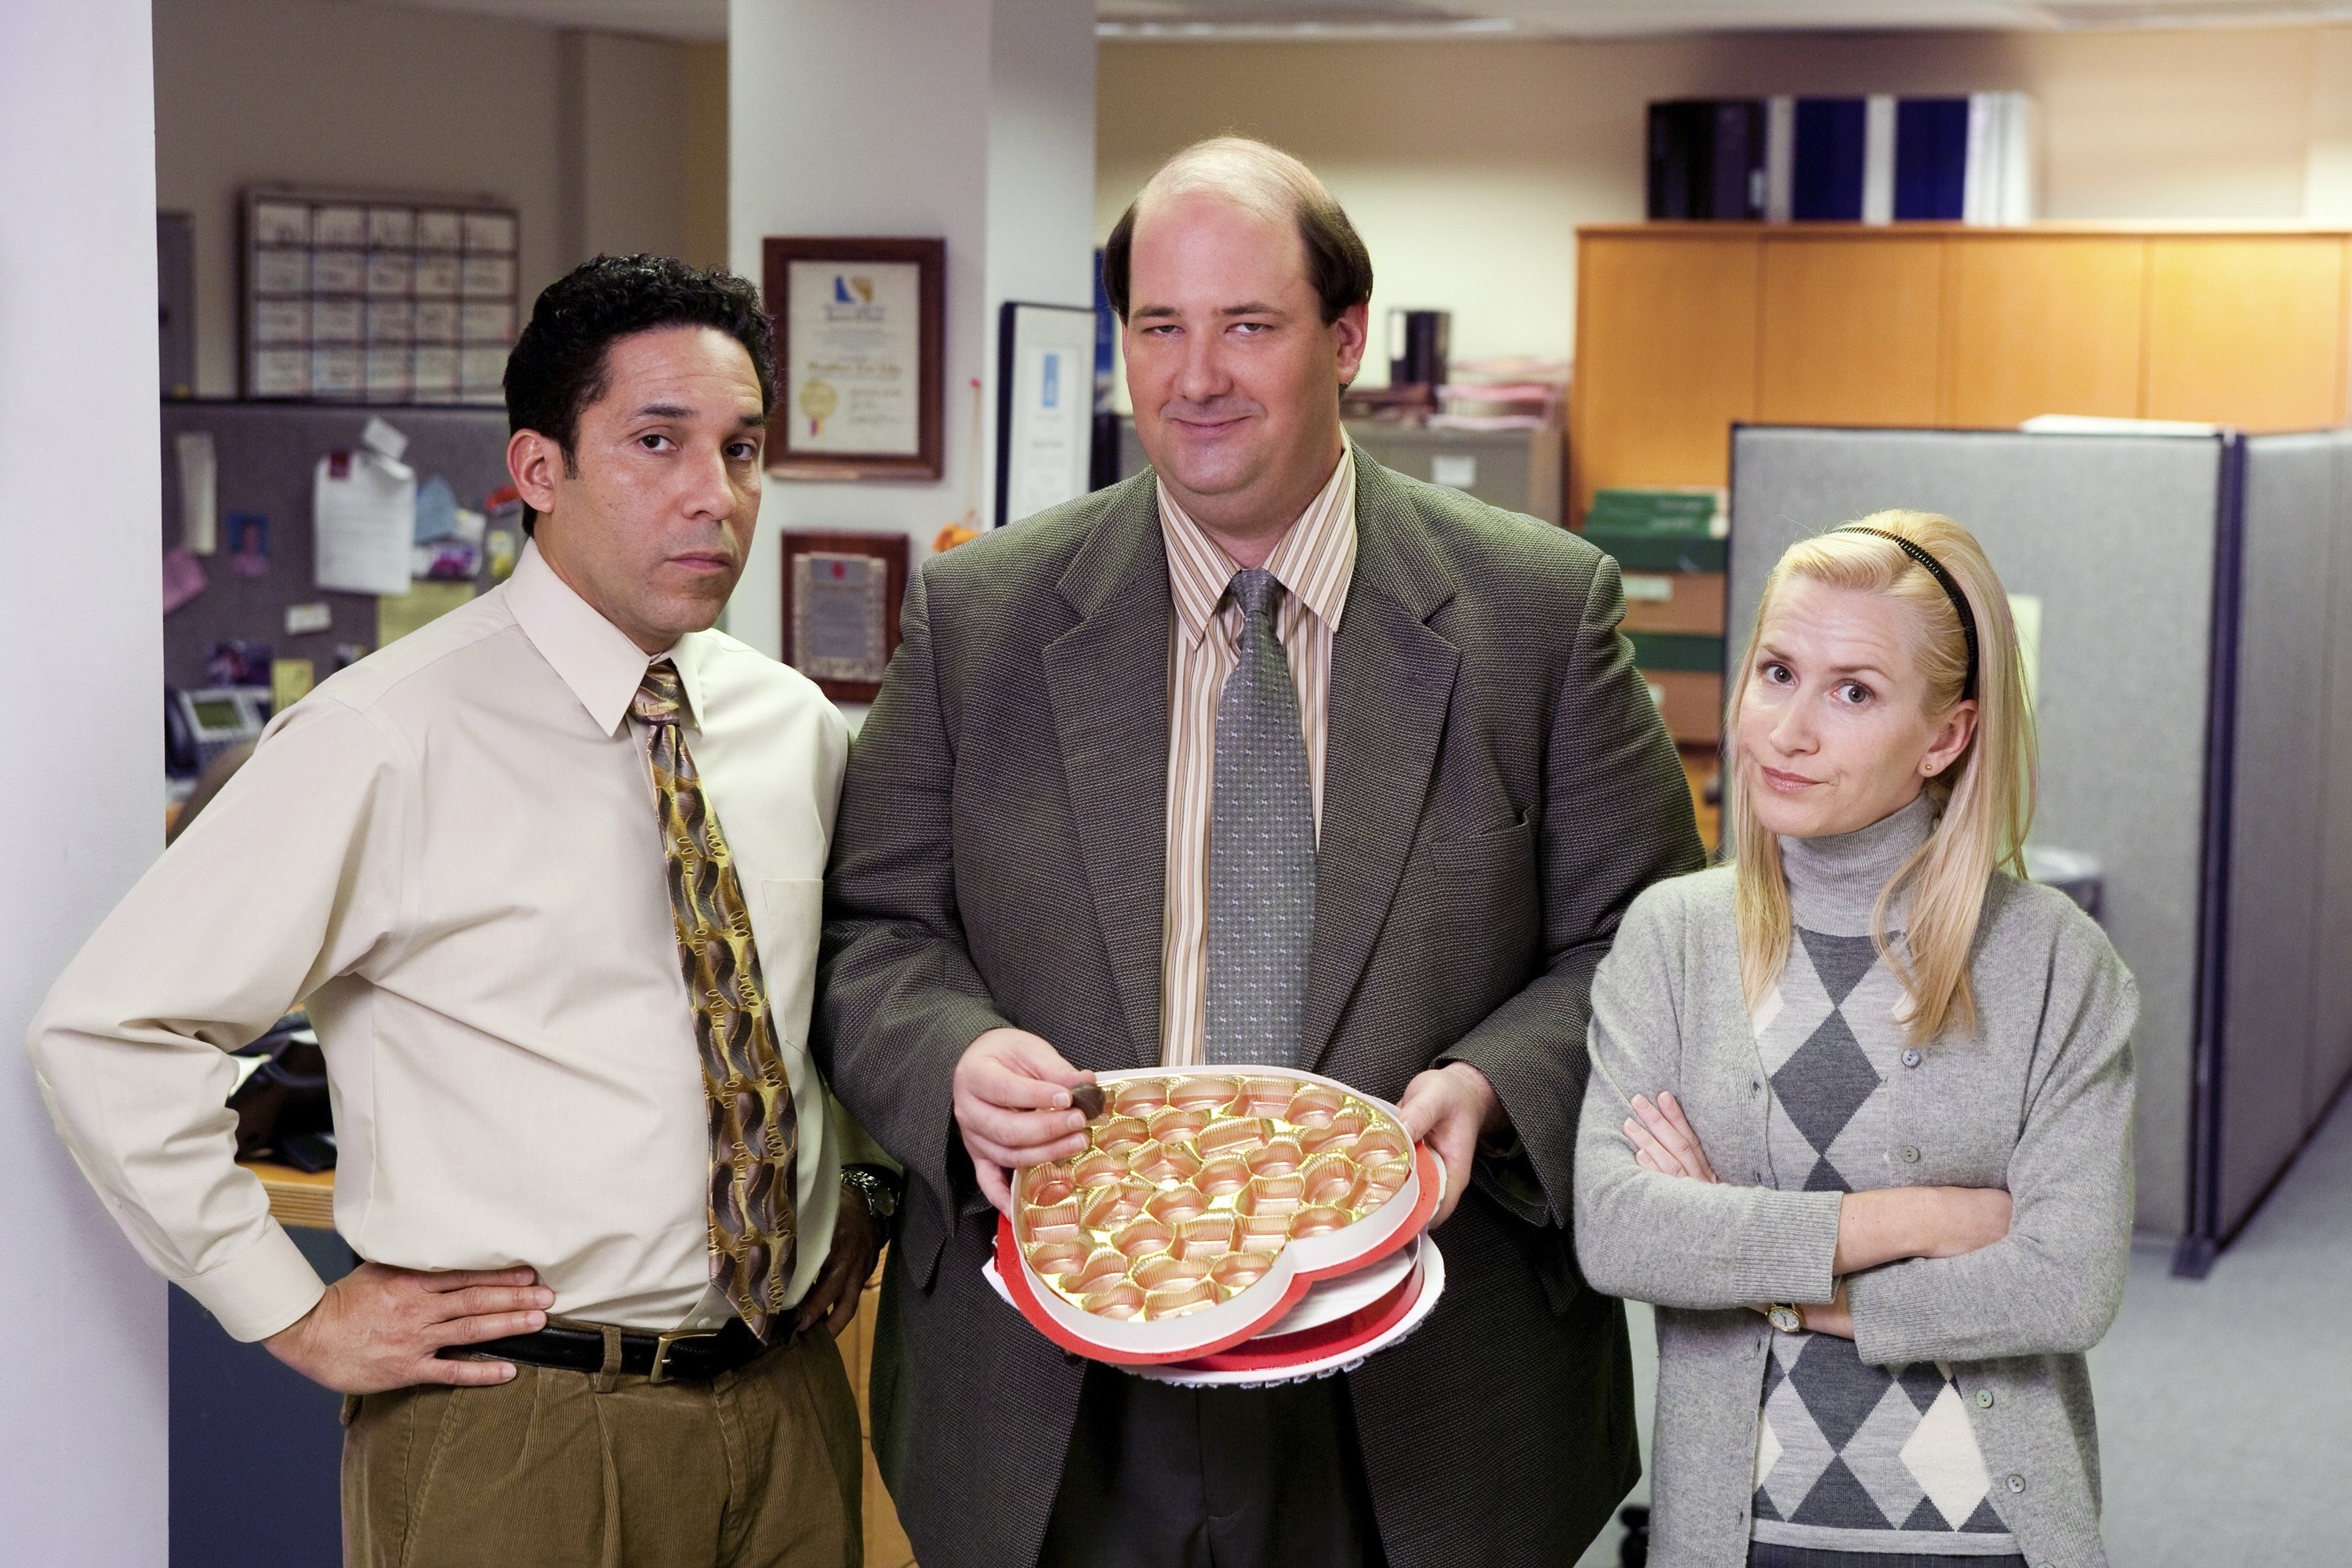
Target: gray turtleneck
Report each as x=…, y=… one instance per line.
x=1957, y=1423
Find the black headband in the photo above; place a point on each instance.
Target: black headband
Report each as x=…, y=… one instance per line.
x=1952, y=591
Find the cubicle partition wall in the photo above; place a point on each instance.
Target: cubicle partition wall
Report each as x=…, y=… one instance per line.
x=2195, y=703
x=265, y=455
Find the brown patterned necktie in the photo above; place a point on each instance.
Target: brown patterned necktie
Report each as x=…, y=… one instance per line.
x=754, y=1132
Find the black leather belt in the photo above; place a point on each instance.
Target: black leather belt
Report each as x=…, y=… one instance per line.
x=673, y=1357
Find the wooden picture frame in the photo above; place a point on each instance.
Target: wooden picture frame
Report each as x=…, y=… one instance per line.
x=859, y=387
x=842, y=592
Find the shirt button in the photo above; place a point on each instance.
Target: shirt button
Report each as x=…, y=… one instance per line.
x=2017, y=1483
x=1984, y=1398
x=1910, y=1154
x=1911, y=1058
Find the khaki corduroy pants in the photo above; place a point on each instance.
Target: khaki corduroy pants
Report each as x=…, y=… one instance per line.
x=757, y=1469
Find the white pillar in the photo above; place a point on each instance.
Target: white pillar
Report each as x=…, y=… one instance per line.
x=83, y=1402
x=968, y=120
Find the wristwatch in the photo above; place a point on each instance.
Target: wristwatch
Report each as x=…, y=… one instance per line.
x=876, y=1186
x=1785, y=1318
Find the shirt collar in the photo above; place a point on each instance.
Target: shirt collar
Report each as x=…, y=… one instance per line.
x=595, y=657
x=1314, y=562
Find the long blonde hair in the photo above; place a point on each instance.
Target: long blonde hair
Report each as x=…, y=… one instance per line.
x=1984, y=799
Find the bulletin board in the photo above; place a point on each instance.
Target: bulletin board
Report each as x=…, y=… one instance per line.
x=377, y=300
x=266, y=453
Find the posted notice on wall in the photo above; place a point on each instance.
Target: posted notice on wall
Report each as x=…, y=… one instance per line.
x=364, y=515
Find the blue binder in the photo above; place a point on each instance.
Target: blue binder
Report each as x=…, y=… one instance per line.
x=1931, y=158
x=1825, y=183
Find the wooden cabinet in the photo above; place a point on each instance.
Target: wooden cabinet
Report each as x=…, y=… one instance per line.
x=1661, y=323
x=2041, y=325
x=1683, y=328
x=2246, y=331
x=1850, y=331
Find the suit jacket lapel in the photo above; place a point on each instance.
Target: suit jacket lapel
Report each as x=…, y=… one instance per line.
x=1107, y=678
x=1391, y=682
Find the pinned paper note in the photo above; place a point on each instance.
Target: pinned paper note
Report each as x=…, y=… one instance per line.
x=183, y=578
x=199, y=503
x=291, y=681
x=364, y=511
x=2025, y=613
x=383, y=438
x=397, y=615
x=436, y=510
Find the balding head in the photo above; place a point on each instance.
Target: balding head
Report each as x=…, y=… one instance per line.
x=1243, y=290
x=1266, y=181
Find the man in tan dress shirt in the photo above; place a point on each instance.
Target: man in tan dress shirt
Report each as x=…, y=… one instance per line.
x=548, y=875
x=1269, y=754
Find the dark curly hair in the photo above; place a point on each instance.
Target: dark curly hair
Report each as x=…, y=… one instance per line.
x=556, y=367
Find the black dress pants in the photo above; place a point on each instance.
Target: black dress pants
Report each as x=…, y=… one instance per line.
x=1222, y=1478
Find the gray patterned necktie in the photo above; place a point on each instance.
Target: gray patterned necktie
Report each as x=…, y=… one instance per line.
x=1261, y=847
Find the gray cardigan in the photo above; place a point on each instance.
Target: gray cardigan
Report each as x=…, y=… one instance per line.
x=2039, y=1101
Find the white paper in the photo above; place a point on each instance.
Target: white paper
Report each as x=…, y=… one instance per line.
x=1047, y=449
x=2025, y=615
x=199, y=508
x=381, y=435
x=363, y=524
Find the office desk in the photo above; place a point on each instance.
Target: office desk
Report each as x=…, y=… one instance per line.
x=256, y=1448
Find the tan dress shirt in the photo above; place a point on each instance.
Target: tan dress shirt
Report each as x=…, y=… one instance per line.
x=450, y=849
x=1314, y=563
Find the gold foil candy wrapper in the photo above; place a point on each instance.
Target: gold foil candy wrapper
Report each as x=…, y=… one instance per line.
x=1119, y=1134
x=1275, y=1157
x=1210, y=1236
x=1194, y=1183
x=1203, y=1094
x=1141, y=1237
x=1238, y=1271
x=1097, y=1168
x=1223, y=1178
x=1059, y=1260
x=1321, y=1220
x=1057, y=1223
x=1182, y=1301
x=1140, y=1097
x=1177, y=1126
x=1120, y=1299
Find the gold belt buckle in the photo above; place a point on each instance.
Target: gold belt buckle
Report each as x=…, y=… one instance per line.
x=662, y=1342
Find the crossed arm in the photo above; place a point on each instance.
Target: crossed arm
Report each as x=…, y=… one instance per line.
x=1910, y=1274
x=1873, y=1229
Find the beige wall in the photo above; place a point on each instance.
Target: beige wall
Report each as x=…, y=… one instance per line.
x=377, y=98
x=1468, y=165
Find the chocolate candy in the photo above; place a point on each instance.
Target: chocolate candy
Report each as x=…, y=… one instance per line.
x=1192, y=1183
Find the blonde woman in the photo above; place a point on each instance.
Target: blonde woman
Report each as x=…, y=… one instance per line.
x=1859, y=1118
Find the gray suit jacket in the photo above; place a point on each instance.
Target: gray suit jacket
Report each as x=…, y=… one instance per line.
x=1497, y=789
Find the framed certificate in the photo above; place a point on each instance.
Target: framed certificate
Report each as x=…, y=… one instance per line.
x=841, y=609
x=1045, y=408
x=859, y=332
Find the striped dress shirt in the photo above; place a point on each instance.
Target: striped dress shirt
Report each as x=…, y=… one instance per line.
x=1314, y=563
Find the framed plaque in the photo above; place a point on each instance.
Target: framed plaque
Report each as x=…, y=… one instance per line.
x=859, y=332
x=841, y=609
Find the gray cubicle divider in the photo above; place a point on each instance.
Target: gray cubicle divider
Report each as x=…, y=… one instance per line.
x=264, y=454
x=2285, y=1042
x=2196, y=716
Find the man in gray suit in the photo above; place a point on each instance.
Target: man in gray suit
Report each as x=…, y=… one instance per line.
x=1269, y=754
